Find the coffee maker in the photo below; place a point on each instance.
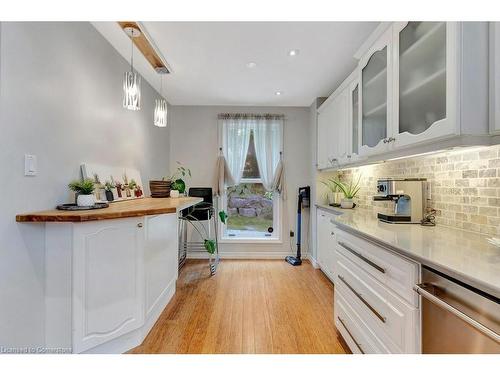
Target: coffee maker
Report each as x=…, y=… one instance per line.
x=409, y=196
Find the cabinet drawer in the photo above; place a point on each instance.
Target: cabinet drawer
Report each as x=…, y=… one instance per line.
x=396, y=272
x=392, y=320
x=355, y=332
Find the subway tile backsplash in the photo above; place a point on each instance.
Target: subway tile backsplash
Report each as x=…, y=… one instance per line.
x=464, y=186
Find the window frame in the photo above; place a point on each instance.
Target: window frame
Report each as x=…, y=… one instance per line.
x=277, y=237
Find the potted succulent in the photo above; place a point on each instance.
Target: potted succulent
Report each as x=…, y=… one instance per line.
x=108, y=188
x=349, y=190
x=84, y=192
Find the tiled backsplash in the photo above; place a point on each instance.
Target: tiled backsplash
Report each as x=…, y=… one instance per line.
x=464, y=186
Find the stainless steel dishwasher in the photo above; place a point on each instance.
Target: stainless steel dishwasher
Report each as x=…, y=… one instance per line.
x=457, y=318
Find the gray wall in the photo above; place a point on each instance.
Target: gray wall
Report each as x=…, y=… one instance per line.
x=60, y=99
x=195, y=144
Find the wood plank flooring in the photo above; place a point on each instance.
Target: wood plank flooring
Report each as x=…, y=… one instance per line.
x=249, y=306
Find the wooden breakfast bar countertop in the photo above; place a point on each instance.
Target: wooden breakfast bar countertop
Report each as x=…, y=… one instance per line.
x=116, y=210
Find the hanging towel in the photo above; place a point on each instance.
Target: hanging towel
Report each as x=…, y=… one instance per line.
x=223, y=176
x=279, y=180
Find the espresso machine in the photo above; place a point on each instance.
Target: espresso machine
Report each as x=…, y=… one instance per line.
x=409, y=196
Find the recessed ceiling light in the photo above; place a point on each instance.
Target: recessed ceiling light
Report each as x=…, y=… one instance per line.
x=278, y=93
x=293, y=52
x=251, y=65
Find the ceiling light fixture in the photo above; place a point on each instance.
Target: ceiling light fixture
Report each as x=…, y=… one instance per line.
x=293, y=52
x=278, y=93
x=131, y=79
x=161, y=110
x=251, y=65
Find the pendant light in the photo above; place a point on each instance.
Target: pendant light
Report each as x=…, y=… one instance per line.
x=131, y=79
x=161, y=111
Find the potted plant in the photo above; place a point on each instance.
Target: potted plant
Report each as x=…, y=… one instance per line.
x=177, y=178
x=108, y=188
x=160, y=188
x=333, y=195
x=84, y=192
x=349, y=190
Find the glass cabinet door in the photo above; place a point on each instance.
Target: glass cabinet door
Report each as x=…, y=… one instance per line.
x=422, y=76
x=374, y=99
x=354, y=119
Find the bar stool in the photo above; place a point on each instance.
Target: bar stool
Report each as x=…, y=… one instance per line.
x=196, y=216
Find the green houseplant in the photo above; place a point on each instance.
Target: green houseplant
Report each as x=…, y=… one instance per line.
x=350, y=190
x=333, y=194
x=178, y=177
x=108, y=188
x=84, y=192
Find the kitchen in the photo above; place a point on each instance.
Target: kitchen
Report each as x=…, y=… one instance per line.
x=155, y=208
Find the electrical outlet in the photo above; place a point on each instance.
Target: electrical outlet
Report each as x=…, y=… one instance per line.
x=292, y=234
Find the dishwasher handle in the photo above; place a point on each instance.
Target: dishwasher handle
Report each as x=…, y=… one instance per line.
x=425, y=289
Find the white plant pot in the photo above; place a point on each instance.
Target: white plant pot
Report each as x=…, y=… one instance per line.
x=85, y=200
x=346, y=203
x=174, y=193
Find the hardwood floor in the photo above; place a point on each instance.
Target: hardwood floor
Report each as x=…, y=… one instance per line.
x=249, y=306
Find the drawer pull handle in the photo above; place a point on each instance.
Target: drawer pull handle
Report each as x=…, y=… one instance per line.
x=364, y=259
x=139, y=225
x=350, y=334
x=377, y=314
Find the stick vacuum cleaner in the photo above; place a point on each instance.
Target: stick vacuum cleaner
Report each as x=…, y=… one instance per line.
x=302, y=201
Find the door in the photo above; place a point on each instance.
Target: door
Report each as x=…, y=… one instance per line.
x=424, y=87
x=107, y=281
x=495, y=77
x=375, y=110
x=340, y=123
x=325, y=243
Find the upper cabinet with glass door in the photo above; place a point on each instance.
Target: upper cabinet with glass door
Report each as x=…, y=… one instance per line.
x=425, y=77
x=374, y=96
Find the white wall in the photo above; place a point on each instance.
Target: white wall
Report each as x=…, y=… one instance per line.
x=195, y=144
x=60, y=99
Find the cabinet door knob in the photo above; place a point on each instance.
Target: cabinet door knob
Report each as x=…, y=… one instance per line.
x=333, y=234
x=385, y=140
x=139, y=225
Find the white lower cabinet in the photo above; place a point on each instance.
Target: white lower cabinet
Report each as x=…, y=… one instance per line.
x=108, y=281
x=326, y=243
x=388, y=322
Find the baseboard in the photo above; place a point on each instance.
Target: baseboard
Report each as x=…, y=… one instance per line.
x=244, y=255
x=313, y=261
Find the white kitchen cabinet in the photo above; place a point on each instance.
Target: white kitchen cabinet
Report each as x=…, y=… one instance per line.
x=324, y=137
x=425, y=81
x=353, y=127
x=107, y=281
x=375, y=109
x=375, y=287
x=326, y=243
x=495, y=77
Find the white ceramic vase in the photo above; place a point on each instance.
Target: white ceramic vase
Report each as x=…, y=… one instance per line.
x=346, y=203
x=174, y=193
x=85, y=200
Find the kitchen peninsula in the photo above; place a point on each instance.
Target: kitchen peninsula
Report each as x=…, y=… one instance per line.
x=109, y=272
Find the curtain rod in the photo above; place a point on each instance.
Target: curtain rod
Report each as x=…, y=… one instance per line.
x=235, y=116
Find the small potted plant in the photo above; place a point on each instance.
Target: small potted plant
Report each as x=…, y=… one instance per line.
x=108, y=188
x=177, y=178
x=333, y=195
x=349, y=190
x=84, y=192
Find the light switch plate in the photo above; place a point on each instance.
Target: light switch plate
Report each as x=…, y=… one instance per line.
x=30, y=165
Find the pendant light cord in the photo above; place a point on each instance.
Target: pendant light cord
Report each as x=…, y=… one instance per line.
x=132, y=53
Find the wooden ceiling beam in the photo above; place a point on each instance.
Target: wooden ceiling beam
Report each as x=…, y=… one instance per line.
x=144, y=44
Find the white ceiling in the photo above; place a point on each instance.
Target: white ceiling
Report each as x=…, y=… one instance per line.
x=208, y=59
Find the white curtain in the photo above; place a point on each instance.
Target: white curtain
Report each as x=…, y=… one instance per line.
x=237, y=139
x=267, y=138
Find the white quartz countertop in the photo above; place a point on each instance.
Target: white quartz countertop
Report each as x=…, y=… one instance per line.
x=463, y=255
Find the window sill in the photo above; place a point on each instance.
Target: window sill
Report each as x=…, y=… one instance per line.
x=251, y=240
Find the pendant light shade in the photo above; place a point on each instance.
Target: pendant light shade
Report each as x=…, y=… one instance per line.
x=132, y=91
x=131, y=79
x=160, y=113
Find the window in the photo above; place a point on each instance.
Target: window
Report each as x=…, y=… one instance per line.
x=253, y=209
